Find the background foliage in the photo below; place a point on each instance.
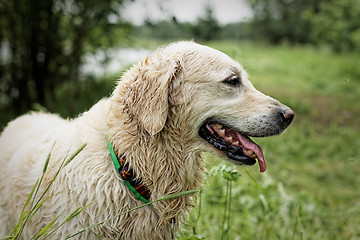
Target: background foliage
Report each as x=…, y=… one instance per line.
x=43, y=43
x=310, y=189
x=304, y=53
x=332, y=22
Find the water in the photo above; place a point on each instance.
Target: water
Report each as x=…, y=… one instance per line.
x=113, y=60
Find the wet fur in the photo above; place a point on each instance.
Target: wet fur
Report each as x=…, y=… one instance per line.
x=152, y=117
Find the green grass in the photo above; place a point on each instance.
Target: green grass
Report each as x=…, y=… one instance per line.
x=34, y=202
x=311, y=187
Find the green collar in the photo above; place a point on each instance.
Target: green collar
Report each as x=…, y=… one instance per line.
x=134, y=184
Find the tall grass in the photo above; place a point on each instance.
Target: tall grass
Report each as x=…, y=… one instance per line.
x=163, y=198
x=311, y=187
x=34, y=203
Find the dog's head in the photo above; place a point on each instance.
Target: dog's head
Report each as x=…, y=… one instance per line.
x=219, y=105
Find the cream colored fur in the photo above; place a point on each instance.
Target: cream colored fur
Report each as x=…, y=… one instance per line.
x=153, y=118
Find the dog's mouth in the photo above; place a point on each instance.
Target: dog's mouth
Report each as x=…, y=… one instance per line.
x=237, y=147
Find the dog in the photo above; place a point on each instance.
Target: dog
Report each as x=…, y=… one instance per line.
x=165, y=111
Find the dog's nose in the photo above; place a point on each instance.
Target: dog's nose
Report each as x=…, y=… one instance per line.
x=287, y=115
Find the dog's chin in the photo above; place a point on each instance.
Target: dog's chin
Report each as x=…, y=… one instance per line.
x=228, y=141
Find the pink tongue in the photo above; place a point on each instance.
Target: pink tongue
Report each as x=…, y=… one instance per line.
x=250, y=145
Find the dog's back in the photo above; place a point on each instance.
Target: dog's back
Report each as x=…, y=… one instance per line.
x=24, y=145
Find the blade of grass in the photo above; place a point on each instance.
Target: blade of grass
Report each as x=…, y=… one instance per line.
x=38, y=206
x=33, y=195
x=262, y=194
x=42, y=177
x=226, y=217
x=298, y=226
x=254, y=181
x=95, y=234
x=18, y=227
x=229, y=210
x=26, y=217
x=72, y=215
x=163, y=198
x=75, y=154
x=63, y=163
x=48, y=158
x=198, y=215
x=45, y=229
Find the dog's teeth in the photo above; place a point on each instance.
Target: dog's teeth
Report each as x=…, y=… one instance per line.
x=218, y=125
x=251, y=153
x=222, y=132
x=236, y=143
x=229, y=139
x=210, y=129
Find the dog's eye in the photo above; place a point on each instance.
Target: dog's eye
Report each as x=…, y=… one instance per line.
x=233, y=81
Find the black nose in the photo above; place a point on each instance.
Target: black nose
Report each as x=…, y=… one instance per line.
x=287, y=115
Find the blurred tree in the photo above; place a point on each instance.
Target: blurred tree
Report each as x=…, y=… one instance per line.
x=333, y=22
x=279, y=20
x=207, y=28
x=164, y=30
x=45, y=41
x=337, y=23
x=239, y=31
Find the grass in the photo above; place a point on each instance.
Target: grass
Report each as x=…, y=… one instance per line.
x=311, y=187
x=34, y=202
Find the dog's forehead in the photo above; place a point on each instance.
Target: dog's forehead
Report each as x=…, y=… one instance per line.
x=215, y=56
x=211, y=62
x=195, y=51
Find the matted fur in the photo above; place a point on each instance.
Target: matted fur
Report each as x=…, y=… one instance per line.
x=153, y=118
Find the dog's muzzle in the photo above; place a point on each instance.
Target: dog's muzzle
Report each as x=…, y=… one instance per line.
x=237, y=146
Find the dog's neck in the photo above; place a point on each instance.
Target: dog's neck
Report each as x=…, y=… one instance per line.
x=166, y=162
x=133, y=182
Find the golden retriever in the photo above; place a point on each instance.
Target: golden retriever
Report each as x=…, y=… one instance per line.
x=180, y=101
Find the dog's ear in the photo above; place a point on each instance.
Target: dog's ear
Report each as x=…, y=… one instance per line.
x=148, y=98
